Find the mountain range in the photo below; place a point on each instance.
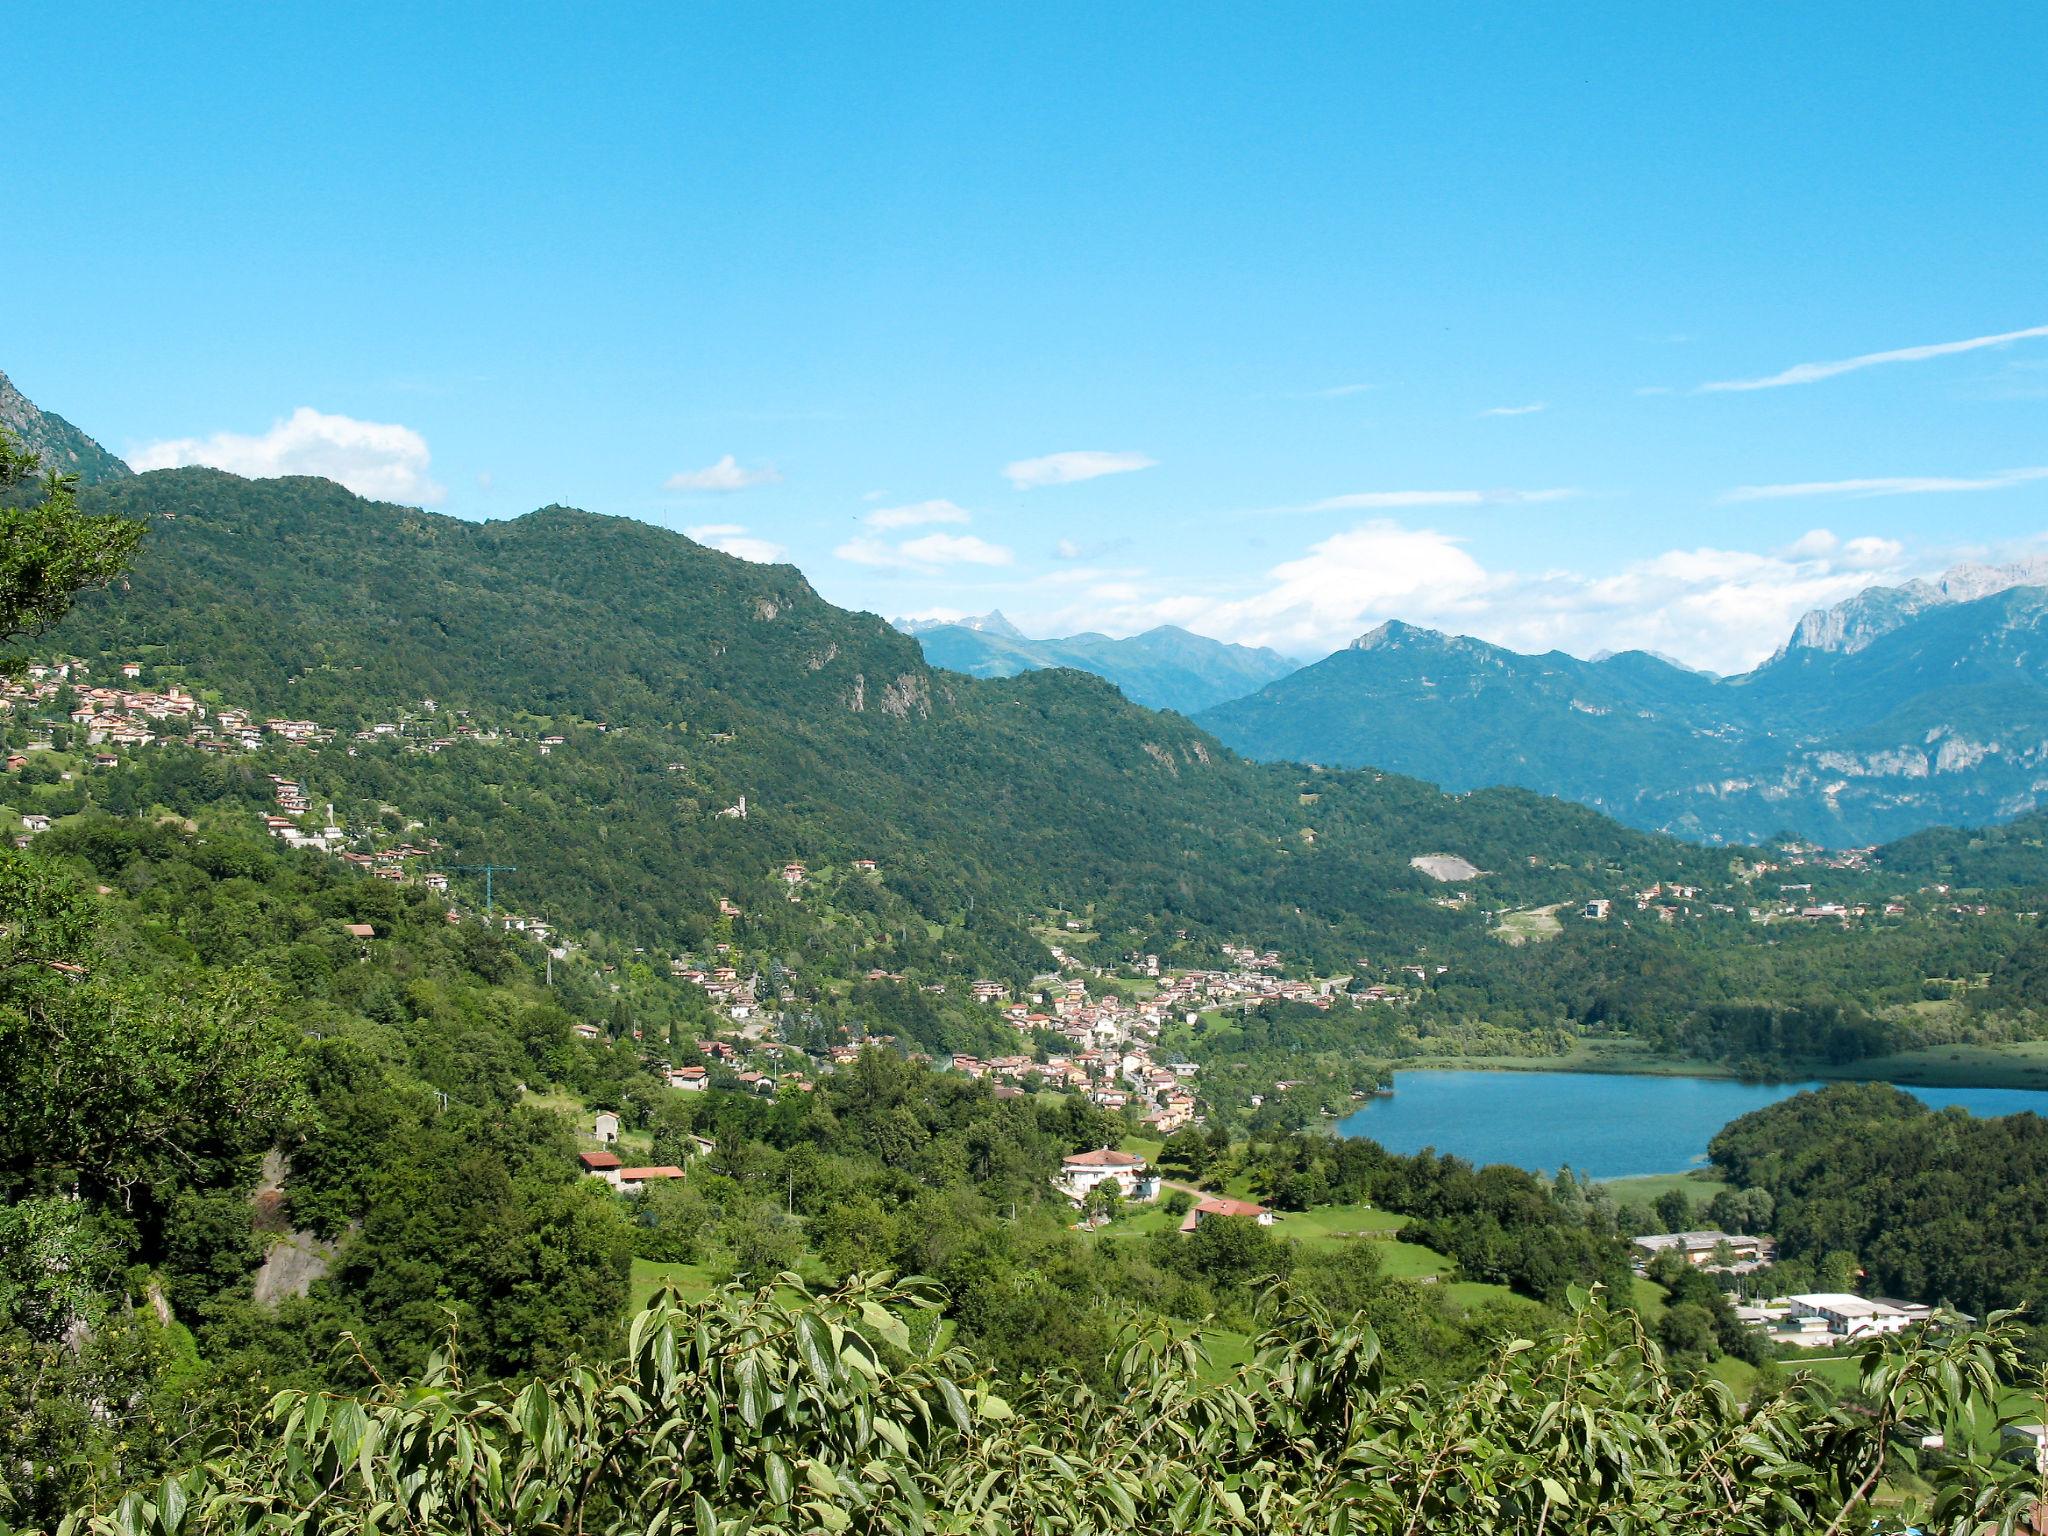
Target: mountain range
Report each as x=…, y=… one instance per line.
x=1163, y=668
x=62, y=446
x=1901, y=708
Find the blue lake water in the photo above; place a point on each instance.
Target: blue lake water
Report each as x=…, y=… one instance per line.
x=1606, y=1125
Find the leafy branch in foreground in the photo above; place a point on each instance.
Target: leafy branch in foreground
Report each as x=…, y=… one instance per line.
x=50, y=550
x=782, y=1410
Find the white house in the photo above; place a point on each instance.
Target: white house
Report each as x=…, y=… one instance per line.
x=1854, y=1317
x=1085, y=1170
x=606, y=1127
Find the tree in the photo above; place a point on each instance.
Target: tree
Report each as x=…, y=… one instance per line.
x=49, y=550
x=1674, y=1210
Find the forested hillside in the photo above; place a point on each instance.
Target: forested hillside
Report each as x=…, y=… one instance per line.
x=684, y=679
x=1934, y=1203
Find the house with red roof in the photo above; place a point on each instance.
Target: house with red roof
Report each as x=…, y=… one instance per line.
x=1218, y=1205
x=1084, y=1171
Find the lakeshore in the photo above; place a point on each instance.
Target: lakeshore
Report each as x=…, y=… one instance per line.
x=1606, y=1125
x=2020, y=1065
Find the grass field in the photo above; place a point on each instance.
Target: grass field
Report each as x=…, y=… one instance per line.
x=1334, y=1223
x=1700, y=1186
x=1530, y=926
x=2024, y=1065
x=693, y=1280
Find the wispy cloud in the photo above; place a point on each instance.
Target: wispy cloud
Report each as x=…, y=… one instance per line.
x=1387, y=501
x=1516, y=410
x=1896, y=485
x=1813, y=373
x=917, y=515
x=1075, y=465
x=372, y=458
x=733, y=539
x=727, y=475
x=929, y=553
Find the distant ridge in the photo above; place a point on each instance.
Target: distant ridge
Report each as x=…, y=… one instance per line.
x=62, y=446
x=1851, y=625
x=1163, y=668
x=1902, y=708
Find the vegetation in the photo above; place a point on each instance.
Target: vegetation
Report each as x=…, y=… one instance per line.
x=1924, y=1203
x=779, y=1410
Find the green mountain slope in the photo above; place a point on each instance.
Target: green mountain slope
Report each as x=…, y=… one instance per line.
x=683, y=679
x=62, y=446
x=1164, y=668
x=1893, y=713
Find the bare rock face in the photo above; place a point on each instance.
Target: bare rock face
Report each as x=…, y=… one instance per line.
x=293, y=1260
x=1850, y=626
x=62, y=446
x=291, y=1265
x=908, y=694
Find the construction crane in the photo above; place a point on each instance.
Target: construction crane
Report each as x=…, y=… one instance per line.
x=487, y=871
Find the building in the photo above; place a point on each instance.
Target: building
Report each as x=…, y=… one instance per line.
x=1218, y=1205
x=631, y=1181
x=1854, y=1317
x=605, y=1127
x=1084, y=1171
x=601, y=1165
x=1700, y=1249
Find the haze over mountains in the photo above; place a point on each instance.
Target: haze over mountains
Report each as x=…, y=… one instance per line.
x=1163, y=668
x=1898, y=709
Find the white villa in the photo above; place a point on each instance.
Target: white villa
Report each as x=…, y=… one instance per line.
x=1855, y=1317
x=1085, y=1170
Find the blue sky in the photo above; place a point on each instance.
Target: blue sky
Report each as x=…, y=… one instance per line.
x=1271, y=321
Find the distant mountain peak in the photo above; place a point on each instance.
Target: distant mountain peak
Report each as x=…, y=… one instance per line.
x=62, y=446
x=1392, y=632
x=1855, y=622
x=990, y=623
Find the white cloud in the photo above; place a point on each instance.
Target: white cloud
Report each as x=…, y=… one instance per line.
x=928, y=553
x=1904, y=485
x=1871, y=553
x=372, y=458
x=1070, y=467
x=917, y=515
x=1066, y=549
x=1516, y=410
x=728, y=474
x=1812, y=544
x=1721, y=608
x=1813, y=373
x=733, y=539
x=1387, y=501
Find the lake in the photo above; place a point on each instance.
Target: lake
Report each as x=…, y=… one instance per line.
x=1608, y=1125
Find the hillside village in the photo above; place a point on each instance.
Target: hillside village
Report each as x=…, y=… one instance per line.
x=1082, y=1028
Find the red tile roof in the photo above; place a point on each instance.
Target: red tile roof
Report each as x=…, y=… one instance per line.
x=597, y=1160
x=1108, y=1157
